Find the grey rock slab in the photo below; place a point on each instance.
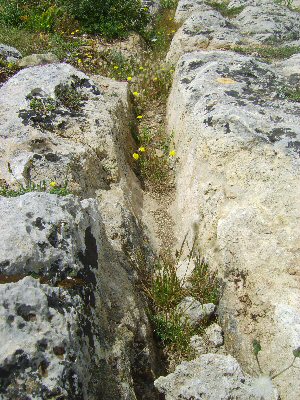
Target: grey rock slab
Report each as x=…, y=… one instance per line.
x=37, y=59
x=9, y=53
x=214, y=334
x=237, y=138
x=268, y=23
x=192, y=310
x=186, y=8
x=204, y=29
x=258, y=23
x=49, y=229
x=85, y=337
x=198, y=344
x=212, y=377
x=39, y=336
x=58, y=124
x=290, y=68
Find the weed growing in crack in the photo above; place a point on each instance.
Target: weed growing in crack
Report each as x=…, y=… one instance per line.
x=19, y=188
x=155, y=158
x=165, y=290
x=267, y=52
x=224, y=9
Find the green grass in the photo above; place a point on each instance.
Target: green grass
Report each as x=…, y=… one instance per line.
x=292, y=94
x=268, y=53
x=32, y=42
x=224, y=10
x=110, y=18
x=165, y=291
x=7, y=191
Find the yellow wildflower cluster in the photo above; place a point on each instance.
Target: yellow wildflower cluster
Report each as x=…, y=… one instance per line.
x=136, y=155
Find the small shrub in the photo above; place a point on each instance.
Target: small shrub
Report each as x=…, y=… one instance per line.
x=69, y=96
x=111, y=18
x=7, y=69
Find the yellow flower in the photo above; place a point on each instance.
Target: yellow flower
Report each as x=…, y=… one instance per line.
x=139, y=117
x=172, y=153
x=72, y=33
x=79, y=61
x=129, y=78
x=142, y=149
x=136, y=156
x=141, y=68
x=136, y=94
x=77, y=30
x=53, y=184
x=155, y=78
x=173, y=31
x=116, y=67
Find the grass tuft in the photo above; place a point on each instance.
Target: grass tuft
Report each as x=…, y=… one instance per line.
x=165, y=291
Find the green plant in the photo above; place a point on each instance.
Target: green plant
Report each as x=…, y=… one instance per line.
x=7, y=69
x=21, y=189
x=165, y=290
x=292, y=94
x=69, y=96
x=287, y=3
x=257, y=349
x=155, y=158
x=111, y=18
x=225, y=10
x=168, y=4
x=268, y=52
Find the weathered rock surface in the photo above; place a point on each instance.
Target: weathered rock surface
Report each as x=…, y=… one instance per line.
x=38, y=59
x=57, y=124
x=192, y=310
x=213, y=377
x=257, y=23
x=88, y=335
x=9, y=53
x=238, y=192
x=214, y=334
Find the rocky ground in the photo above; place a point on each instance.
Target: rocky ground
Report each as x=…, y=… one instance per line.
x=73, y=320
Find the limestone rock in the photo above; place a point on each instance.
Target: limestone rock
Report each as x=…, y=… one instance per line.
x=205, y=28
x=194, y=311
x=212, y=377
x=9, y=53
x=290, y=68
x=186, y=8
x=258, y=23
x=214, y=334
x=198, y=344
x=57, y=124
x=38, y=59
x=237, y=137
x=267, y=22
x=85, y=337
